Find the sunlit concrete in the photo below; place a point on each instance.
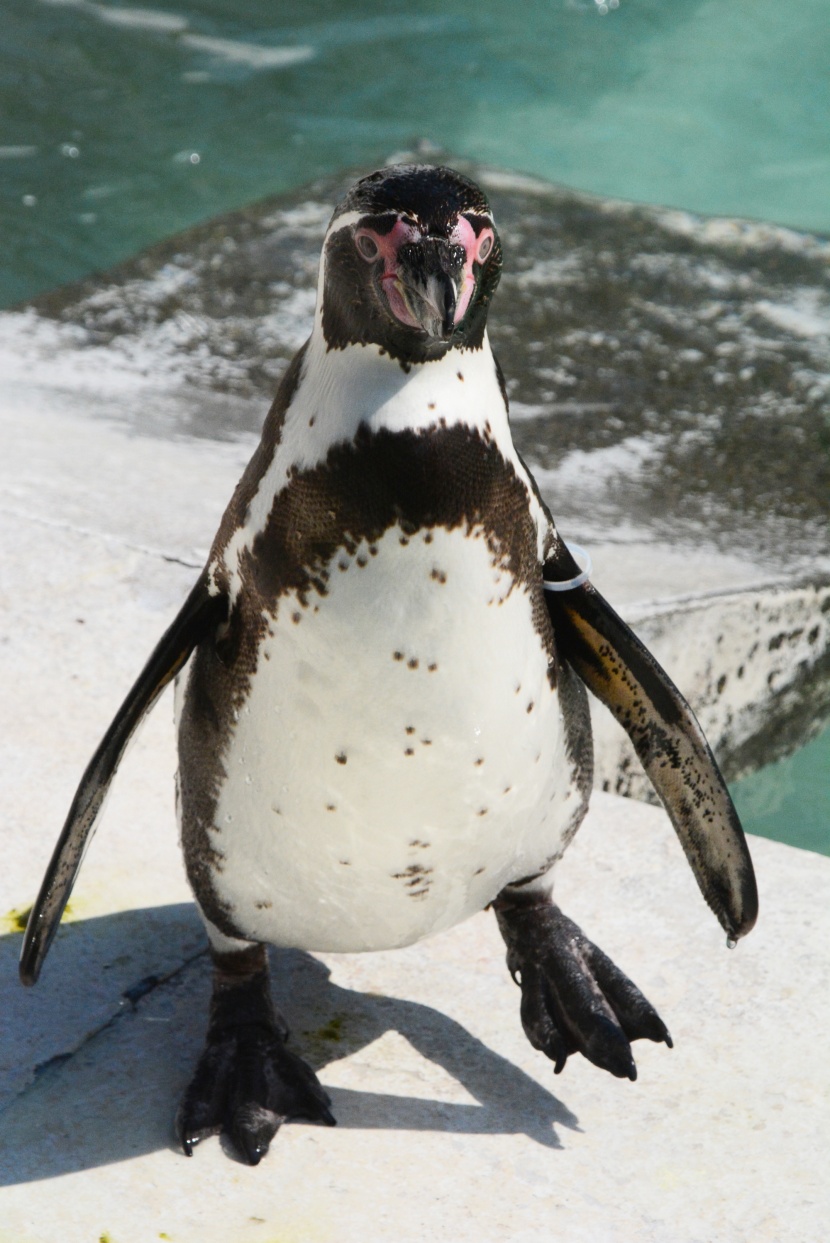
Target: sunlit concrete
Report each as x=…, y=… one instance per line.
x=114, y=470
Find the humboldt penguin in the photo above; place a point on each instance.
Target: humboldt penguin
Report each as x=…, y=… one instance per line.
x=382, y=718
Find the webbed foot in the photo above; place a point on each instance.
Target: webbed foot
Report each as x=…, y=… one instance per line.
x=247, y=1082
x=574, y=999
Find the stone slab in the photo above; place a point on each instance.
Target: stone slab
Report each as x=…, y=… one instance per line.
x=450, y=1126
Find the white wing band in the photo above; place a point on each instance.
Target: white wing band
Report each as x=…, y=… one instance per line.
x=583, y=559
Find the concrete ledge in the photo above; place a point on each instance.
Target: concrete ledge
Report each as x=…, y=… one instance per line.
x=450, y=1125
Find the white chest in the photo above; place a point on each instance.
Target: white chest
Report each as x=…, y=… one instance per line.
x=400, y=753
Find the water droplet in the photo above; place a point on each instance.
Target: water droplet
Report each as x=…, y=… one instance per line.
x=228, y=818
x=731, y=943
x=29, y=200
x=70, y=150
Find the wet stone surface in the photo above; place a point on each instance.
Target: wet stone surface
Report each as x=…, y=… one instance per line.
x=669, y=378
x=694, y=353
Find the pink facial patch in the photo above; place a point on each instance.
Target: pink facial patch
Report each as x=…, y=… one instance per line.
x=476, y=248
x=388, y=245
x=374, y=246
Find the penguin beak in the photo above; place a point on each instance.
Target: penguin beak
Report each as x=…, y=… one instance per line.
x=429, y=274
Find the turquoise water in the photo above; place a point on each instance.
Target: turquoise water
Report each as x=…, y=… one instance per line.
x=120, y=125
x=790, y=800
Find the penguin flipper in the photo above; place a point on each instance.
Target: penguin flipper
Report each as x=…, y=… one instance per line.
x=200, y=611
x=617, y=667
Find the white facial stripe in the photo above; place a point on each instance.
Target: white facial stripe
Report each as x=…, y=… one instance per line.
x=344, y=221
x=348, y=218
x=481, y=215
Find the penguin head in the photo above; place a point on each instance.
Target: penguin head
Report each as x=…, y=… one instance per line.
x=410, y=262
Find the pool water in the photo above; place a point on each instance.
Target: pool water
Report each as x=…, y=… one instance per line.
x=120, y=125
x=790, y=800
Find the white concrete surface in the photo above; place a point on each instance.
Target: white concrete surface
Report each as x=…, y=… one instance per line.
x=451, y=1126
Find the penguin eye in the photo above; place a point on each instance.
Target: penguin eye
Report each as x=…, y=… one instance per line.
x=485, y=248
x=367, y=246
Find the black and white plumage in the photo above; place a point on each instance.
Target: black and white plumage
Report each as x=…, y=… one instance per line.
x=383, y=726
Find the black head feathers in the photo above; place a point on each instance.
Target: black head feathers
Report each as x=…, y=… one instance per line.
x=412, y=259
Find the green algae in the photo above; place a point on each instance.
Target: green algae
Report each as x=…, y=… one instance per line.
x=17, y=918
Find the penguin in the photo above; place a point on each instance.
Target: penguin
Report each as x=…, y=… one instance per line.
x=381, y=702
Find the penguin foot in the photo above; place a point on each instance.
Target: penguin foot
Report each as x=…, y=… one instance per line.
x=574, y=999
x=247, y=1083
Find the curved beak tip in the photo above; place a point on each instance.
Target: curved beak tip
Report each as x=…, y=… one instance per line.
x=448, y=326
x=431, y=295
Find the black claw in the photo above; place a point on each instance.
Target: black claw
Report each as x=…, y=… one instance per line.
x=538, y=1020
x=299, y=1093
x=638, y=1018
x=574, y=998
x=607, y=1047
x=189, y=1137
x=201, y=1110
x=252, y=1130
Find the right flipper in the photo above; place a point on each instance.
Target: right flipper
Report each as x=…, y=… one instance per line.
x=247, y=1083
x=620, y=670
x=200, y=612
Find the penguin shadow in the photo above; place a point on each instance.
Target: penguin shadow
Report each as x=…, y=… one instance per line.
x=86, y=1084
x=329, y=1023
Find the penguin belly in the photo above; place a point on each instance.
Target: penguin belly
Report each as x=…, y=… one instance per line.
x=399, y=755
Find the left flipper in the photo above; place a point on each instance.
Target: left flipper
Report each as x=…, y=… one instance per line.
x=200, y=612
x=624, y=675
